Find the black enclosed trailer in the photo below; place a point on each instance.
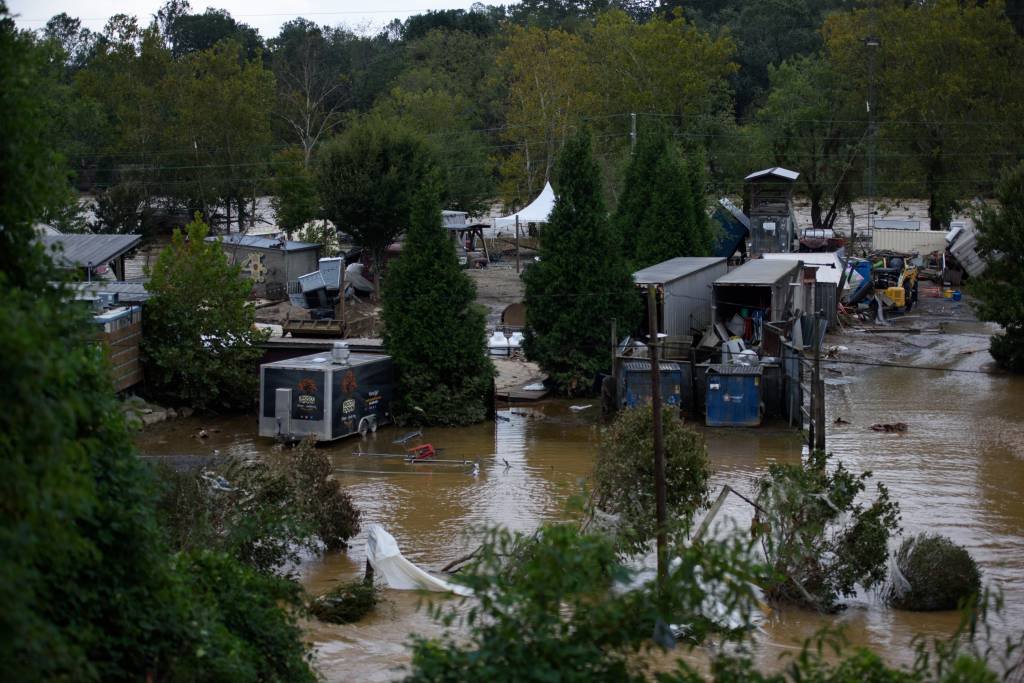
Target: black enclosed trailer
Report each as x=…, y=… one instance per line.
x=326, y=395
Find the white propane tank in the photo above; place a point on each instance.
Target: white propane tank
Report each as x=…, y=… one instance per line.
x=498, y=344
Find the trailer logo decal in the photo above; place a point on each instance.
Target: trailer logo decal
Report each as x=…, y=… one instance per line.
x=348, y=383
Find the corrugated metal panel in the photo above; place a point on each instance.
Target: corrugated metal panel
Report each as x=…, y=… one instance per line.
x=673, y=269
x=908, y=241
x=645, y=366
x=825, y=295
x=759, y=272
x=743, y=370
x=82, y=250
x=687, y=304
x=965, y=252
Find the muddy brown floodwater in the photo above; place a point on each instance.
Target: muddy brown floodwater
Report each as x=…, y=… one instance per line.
x=958, y=470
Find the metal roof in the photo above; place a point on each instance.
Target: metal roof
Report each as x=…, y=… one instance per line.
x=776, y=171
x=323, y=361
x=127, y=292
x=746, y=370
x=645, y=366
x=673, y=269
x=258, y=242
x=86, y=250
x=828, y=263
x=759, y=272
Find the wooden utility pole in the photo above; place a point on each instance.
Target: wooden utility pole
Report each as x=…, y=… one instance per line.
x=818, y=390
x=517, y=242
x=659, y=448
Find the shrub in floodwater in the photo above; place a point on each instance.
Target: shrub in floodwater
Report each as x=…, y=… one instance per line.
x=624, y=472
x=346, y=603
x=818, y=541
x=933, y=573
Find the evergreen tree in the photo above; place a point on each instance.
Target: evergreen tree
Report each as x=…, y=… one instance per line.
x=1001, y=244
x=581, y=282
x=661, y=214
x=433, y=329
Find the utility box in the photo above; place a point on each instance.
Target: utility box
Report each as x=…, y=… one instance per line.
x=326, y=395
x=733, y=396
x=635, y=383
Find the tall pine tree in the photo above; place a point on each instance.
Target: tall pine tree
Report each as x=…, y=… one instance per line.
x=433, y=329
x=582, y=281
x=662, y=212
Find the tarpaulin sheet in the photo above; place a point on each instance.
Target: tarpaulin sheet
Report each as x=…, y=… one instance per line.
x=401, y=574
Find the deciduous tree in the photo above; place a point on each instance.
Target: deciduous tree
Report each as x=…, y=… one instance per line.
x=199, y=344
x=367, y=178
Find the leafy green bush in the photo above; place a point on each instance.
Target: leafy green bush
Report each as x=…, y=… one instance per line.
x=346, y=603
x=934, y=573
x=562, y=606
x=624, y=473
x=261, y=512
x=199, y=344
x=818, y=542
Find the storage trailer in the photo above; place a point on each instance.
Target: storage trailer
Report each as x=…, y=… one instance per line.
x=327, y=395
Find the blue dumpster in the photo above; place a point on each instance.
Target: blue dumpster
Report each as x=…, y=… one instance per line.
x=733, y=396
x=635, y=383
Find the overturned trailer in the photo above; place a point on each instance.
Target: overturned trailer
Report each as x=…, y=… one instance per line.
x=325, y=395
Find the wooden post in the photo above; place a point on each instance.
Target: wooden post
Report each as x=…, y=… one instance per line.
x=517, y=242
x=659, y=452
x=818, y=413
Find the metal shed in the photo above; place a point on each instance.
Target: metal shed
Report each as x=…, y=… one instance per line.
x=684, y=292
x=761, y=286
x=270, y=263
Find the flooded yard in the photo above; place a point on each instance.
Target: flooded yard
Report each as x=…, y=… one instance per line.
x=958, y=470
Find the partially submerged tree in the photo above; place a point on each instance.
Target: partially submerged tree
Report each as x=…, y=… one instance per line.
x=563, y=606
x=818, y=541
x=999, y=292
x=433, y=329
x=199, y=344
x=581, y=281
x=624, y=473
x=367, y=177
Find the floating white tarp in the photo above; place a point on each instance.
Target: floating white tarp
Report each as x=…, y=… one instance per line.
x=536, y=212
x=401, y=574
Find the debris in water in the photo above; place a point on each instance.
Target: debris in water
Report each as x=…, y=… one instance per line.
x=890, y=427
x=580, y=408
x=202, y=434
x=841, y=421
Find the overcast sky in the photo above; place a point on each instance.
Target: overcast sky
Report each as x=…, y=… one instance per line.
x=264, y=15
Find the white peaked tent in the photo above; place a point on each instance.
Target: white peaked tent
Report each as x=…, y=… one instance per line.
x=536, y=212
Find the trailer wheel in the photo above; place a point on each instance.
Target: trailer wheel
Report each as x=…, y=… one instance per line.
x=364, y=427
x=373, y=424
